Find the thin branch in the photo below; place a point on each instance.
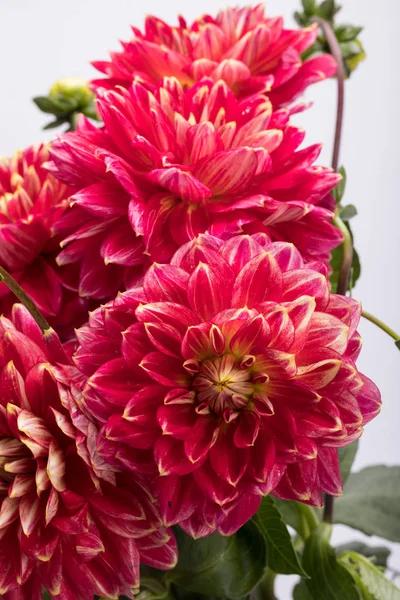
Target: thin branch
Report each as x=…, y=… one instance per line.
x=341, y=76
x=345, y=268
x=23, y=297
x=381, y=325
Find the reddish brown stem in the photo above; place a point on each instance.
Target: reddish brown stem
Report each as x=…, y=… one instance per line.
x=345, y=268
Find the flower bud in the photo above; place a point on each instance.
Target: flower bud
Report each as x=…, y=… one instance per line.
x=67, y=98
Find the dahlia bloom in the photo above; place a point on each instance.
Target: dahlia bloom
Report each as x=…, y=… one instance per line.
x=67, y=524
x=170, y=165
x=243, y=47
x=31, y=199
x=232, y=370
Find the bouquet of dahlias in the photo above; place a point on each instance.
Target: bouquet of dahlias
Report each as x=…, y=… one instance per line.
x=180, y=401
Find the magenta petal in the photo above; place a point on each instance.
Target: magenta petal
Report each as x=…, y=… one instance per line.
x=170, y=313
x=214, y=487
x=114, y=381
x=181, y=183
x=41, y=282
x=197, y=343
x=202, y=437
x=177, y=420
x=164, y=557
x=178, y=497
x=122, y=431
x=238, y=516
x=166, y=283
x=205, y=294
x=248, y=425
x=228, y=172
x=254, y=331
x=164, y=338
x=238, y=251
x=122, y=247
x=258, y=281
x=102, y=199
x=329, y=471
x=227, y=460
x=142, y=406
x=167, y=370
x=369, y=400
x=300, y=282
x=170, y=457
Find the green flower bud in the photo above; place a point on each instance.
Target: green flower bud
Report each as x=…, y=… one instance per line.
x=67, y=98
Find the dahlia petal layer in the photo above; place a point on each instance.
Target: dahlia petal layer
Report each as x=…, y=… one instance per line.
x=229, y=375
x=173, y=163
x=68, y=522
x=241, y=46
x=31, y=200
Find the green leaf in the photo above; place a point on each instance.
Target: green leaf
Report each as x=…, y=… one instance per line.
x=377, y=554
x=282, y=557
x=220, y=566
x=336, y=262
x=329, y=579
x=56, y=123
x=301, y=517
x=300, y=592
x=371, y=581
x=353, y=62
x=347, y=33
x=346, y=459
x=300, y=18
x=309, y=6
x=350, y=49
x=289, y=512
x=397, y=344
x=348, y=212
x=46, y=105
x=371, y=502
x=339, y=190
x=355, y=270
x=327, y=9
x=46, y=595
x=153, y=585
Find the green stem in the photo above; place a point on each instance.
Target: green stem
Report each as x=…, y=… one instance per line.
x=266, y=588
x=381, y=325
x=23, y=297
x=347, y=259
x=308, y=520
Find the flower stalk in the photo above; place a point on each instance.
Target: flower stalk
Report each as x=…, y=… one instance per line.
x=382, y=326
x=341, y=76
x=23, y=297
x=347, y=259
x=345, y=268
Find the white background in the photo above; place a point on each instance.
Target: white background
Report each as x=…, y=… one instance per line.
x=44, y=40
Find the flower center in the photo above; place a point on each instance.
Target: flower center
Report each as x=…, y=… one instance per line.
x=223, y=383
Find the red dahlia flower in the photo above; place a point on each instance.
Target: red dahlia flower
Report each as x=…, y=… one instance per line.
x=242, y=46
x=233, y=369
x=31, y=199
x=66, y=524
x=173, y=164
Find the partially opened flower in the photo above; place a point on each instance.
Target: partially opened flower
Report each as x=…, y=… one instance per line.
x=242, y=46
x=233, y=371
x=68, y=523
x=169, y=165
x=31, y=199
